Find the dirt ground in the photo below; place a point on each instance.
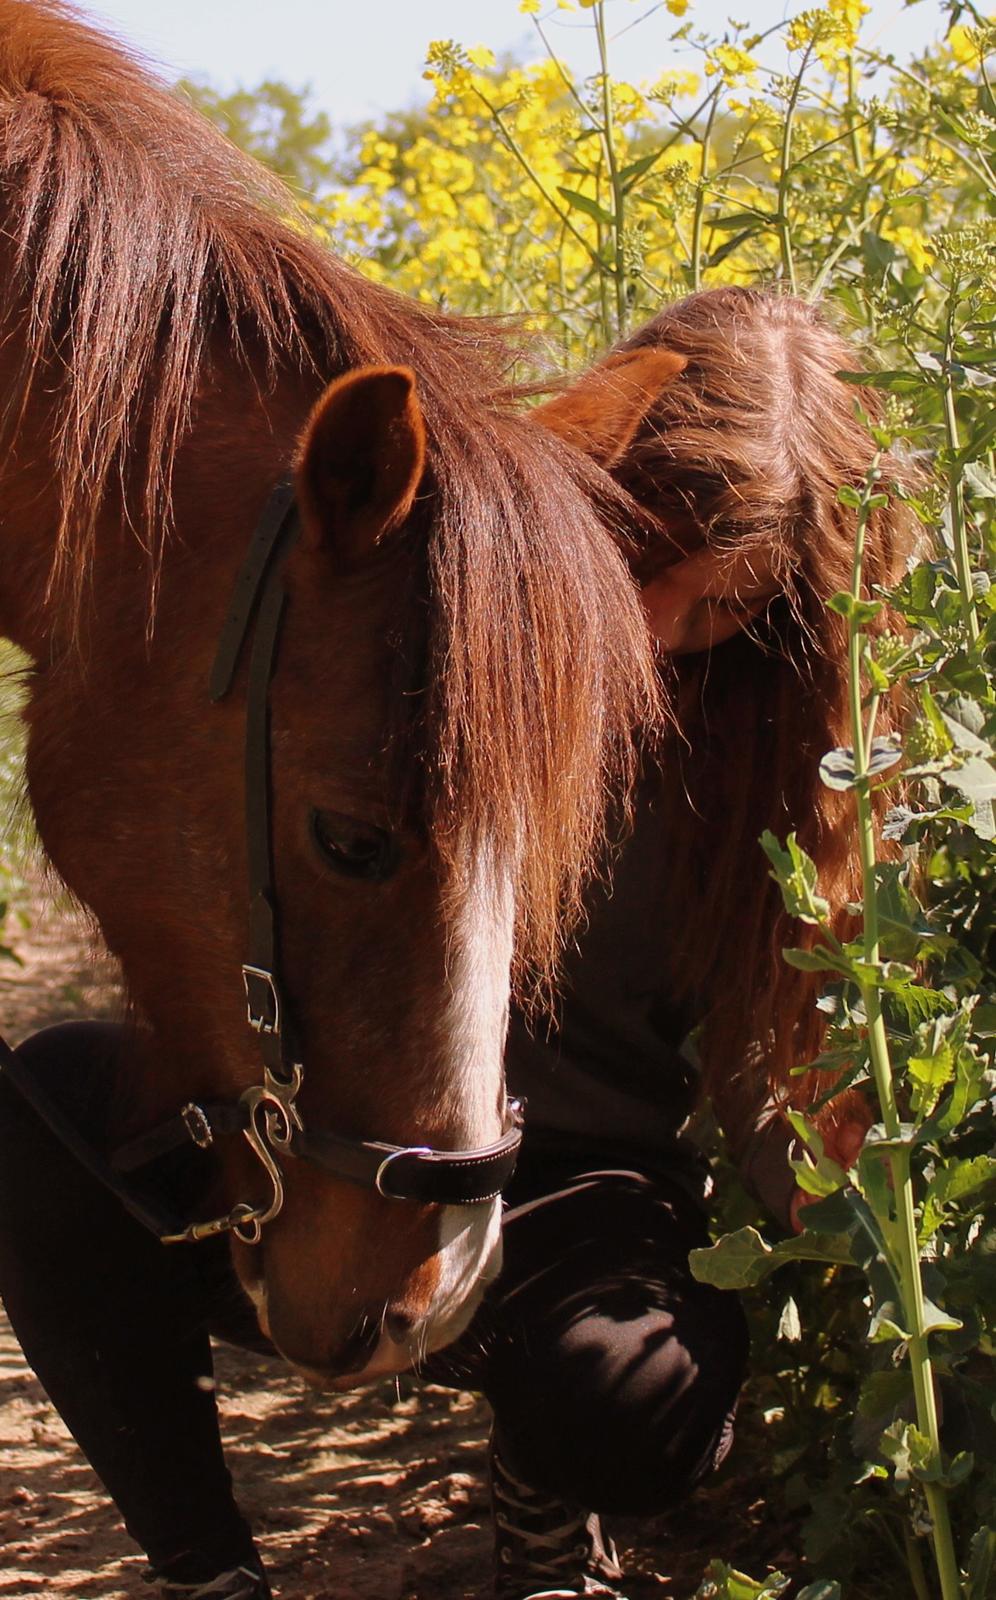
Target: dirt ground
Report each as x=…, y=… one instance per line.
x=376, y=1495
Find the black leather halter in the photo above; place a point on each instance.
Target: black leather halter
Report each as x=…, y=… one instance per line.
x=267, y=1113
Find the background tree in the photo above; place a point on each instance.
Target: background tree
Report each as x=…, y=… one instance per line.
x=275, y=123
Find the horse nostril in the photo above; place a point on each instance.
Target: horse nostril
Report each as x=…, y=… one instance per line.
x=399, y=1326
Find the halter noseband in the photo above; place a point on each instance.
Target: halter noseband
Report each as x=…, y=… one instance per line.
x=267, y=1113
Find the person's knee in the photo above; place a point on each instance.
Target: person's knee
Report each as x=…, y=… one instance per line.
x=70, y=1066
x=628, y=1417
x=75, y=1047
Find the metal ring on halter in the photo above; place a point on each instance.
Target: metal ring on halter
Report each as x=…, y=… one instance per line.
x=239, y=1217
x=378, y=1183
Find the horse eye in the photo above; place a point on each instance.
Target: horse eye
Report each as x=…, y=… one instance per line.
x=356, y=849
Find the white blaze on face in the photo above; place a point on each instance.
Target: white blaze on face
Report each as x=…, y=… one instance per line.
x=474, y=1103
x=471, y=1105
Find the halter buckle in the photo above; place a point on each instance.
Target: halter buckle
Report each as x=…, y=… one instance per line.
x=411, y=1150
x=262, y=1000
x=197, y=1124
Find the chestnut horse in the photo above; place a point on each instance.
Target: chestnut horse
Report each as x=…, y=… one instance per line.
x=461, y=667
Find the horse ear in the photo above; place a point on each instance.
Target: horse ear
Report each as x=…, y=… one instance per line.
x=361, y=461
x=602, y=411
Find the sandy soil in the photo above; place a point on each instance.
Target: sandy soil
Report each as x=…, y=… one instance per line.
x=378, y=1495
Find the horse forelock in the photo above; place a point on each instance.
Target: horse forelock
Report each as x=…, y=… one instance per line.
x=137, y=232
x=541, y=675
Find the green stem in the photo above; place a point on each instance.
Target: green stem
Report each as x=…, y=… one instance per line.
x=784, y=230
x=534, y=177
x=612, y=166
x=956, y=492
x=914, y=1561
x=564, y=75
x=857, y=154
x=697, y=220
x=603, y=283
x=565, y=334
x=905, y=1234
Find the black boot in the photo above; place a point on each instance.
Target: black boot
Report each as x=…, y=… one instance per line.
x=545, y=1548
x=246, y=1582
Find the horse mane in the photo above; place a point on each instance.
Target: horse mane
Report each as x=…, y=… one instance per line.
x=139, y=237
x=747, y=449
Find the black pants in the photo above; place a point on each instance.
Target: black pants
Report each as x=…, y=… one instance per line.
x=612, y=1374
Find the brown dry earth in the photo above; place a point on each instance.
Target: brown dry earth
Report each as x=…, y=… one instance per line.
x=377, y=1495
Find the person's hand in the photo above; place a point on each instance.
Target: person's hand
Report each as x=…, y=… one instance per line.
x=707, y=598
x=842, y=1142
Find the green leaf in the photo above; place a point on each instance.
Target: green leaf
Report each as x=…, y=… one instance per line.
x=737, y=1261
x=837, y=769
x=873, y=1181
x=943, y=741
x=968, y=1087
x=726, y=1583
x=984, y=1020
x=975, y=778
x=917, y=1002
x=954, y=1181
x=885, y=1326
x=820, y=959
x=896, y=381
x=635, y=169
x=902, y=927
x=846, y=605
x=908, y=1450
x=980, y=480
x=795, y=873
x=884, y=1392
x=966, y=723
x=743, y=219
x=585, y=203
x=878, y=253
x=981, y=1565
x=789, y=1323
x=833, y=1218
x=846, y=496
x=822, y=1589
x=936, y=1320
x=930, y=1075
x=716, y=257
x=922, y=583
x=879, y=679
x=741, y=1260
x=815, y=1172
x=959, y=1468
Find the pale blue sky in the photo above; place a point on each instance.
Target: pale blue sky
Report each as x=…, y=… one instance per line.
x=362, y=56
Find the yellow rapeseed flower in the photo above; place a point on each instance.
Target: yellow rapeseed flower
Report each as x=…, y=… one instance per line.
x=963, y=42
x=735, y=64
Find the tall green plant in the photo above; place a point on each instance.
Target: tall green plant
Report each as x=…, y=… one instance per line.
x=910, y=1231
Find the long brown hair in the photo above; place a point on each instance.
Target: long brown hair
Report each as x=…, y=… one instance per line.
x=145, y=251
x=747, y=448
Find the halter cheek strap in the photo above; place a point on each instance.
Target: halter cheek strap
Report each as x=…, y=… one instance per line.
x=267, y=1113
